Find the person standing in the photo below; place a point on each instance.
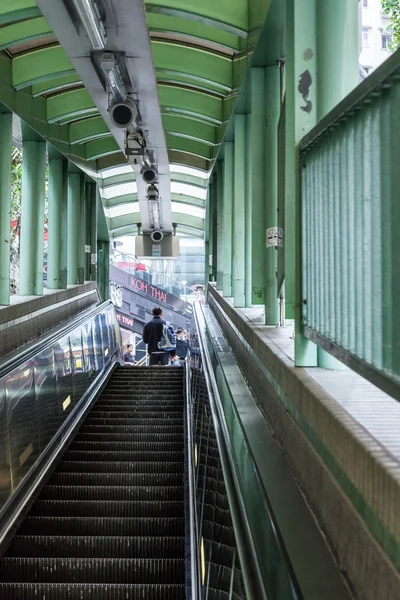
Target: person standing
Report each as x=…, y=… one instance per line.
x=129, y=359
x=178, y=356
x=152, y=334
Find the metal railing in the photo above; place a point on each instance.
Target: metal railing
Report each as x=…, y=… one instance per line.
x=350, y=229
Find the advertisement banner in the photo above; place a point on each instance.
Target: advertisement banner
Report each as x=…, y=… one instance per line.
x=124, y=320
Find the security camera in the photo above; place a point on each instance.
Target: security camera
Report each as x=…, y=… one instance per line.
x=152, y=193
x=124, y=113
x=157, y=236
x=149, y=171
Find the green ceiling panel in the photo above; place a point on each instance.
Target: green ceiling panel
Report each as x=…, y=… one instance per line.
x=190, y=103
x=189, y=146
x=17, y=10
x=229, y=15
x=23, y=32
x=63, y=106
x=168, y=77
x=177, y=217
x=133, y=198
x=40, y=65
x=205, y=67
x=88, y=129
x=189, y=128
x=103, y=147
x=189, y=160
x=54, y=85
x=127, y=177
x=200, y=32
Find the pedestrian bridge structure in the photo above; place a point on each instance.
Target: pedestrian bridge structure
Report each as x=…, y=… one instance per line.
x=265, y=144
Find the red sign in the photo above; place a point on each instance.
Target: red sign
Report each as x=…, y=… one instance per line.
x=124, y=320
x=148, y=289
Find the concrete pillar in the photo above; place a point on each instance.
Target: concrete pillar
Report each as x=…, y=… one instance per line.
x=248, y=218
x=81, y=233
x=257, y=182
x=5, y=205
x=239, y=228
x=272, y=87
x=227, y=220
x=219, y=193
x=74, y=195
x=93, y=231
x=55, y=199
x=32, y=218
x=337, y=76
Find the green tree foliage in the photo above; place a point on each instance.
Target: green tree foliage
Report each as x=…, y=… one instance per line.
x=392, y=7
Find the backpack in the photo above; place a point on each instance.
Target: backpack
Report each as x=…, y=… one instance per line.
x=168, y=340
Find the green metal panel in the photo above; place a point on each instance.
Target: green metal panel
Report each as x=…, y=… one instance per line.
x=17, y=10
x=190, y=103
x=220, y=226
x=88, y=129
x=54, y=85
x=75, y=103
x=189, y=82
x=74, y=191
x=227, y=212
x=238, y=248
x=192, y=29
x=40, y=65
x=177, y=217
x=54, y=223
x=351, y=245
x=132, y=198
x=102, y=147
x=248, y=220
x=203, y=65
x=189, y=146
x=228, y=15
x=23, y=32
x=189, y=128
x=5, y=205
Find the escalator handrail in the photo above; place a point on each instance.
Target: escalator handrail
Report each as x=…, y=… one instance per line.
x=194, y=574
x=253, y=580
x=15, y=358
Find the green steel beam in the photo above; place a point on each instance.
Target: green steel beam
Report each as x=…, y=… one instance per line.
x=32, y=217
x=132, y=230
x=175, y=177
x=88, y=130
x=188, y=82
x=247, y=218
x=18, y=10
x=227, y=212
x=24, y=31
x=55, y=199
x=239, y=229
x=191, y=129
x=133, y=198
x=177, y=217
x=70, y=104
x=40, y=65
x=102, y=147
x=170, y=26
x=230, y=16
x=55, y=84
x=189, y=146
x=5, y=204
x=178, y=100
x=189, y=160
x=220, y=226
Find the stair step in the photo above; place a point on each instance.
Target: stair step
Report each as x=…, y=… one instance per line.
x=140, y=438
x=117, y=479
x=68, y=546
x=93, y=570
x=90, y=591
x=135, y=421
x=84, y=466
x=105, y=455
x=113, y=493
x=128, y=446
x=109, y=508
x=133, y=429
x=112, y=526
x=137, y=414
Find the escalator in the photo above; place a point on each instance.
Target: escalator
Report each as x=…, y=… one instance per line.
x=110, y=522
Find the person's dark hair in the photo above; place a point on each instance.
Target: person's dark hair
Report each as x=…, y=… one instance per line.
x=130, y=346
x=157, y=311
x=179, y=330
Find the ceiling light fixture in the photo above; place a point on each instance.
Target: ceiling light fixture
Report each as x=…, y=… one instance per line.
x=90, y=16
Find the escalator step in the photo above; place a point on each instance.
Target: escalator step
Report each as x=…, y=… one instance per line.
x=93, y=570
x=128, y=446
x=137, y=414
x=178, y=423
x=116, y=455
x=126, y=437
x=98, y=508
x=132, y=429
x=68, y=466
x=68, y=591
x=130, y=526
x=97, y=547
x=117, y=479
x=113, y=493
x=137, y=407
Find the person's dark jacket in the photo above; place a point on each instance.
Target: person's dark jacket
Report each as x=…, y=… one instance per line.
x=128, y=358
x=152, y=334
x=182, y=347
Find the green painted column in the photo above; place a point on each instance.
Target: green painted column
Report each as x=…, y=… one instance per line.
x=74, y=196
x=103, y=269
x=248, y=262
x=227, y=211
x=239, y=228
x=5, y=205
x=82, y=231
x=337, y=76
x=88, y=248
x=220, y=217
x=64, y=227
x=55, y=199
x=93, y=231
x=32, y=218
x=206, y=239
x=257, y=182
x=214, y=228
x=272, y=87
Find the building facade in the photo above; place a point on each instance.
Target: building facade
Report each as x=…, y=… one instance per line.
x=376, y=35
